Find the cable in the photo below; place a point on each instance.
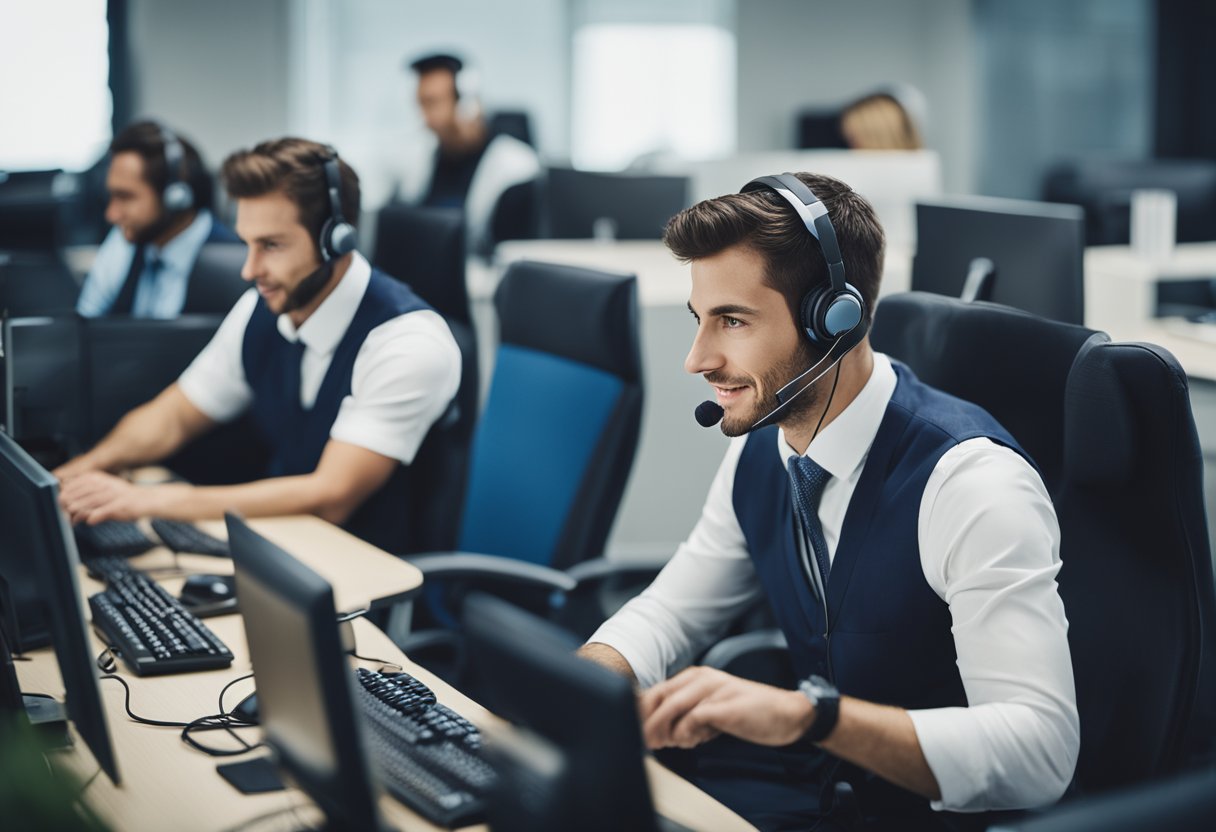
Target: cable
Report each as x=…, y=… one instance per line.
x=382, y=662
x=160, y=723
x=828, y=406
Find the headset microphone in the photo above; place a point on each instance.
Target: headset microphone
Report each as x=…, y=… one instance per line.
x=709, y=413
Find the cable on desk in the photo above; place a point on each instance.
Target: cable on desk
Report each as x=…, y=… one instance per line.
x=162, y=723
x=382, y=662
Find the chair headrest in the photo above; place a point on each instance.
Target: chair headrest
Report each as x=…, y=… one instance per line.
x=582, y=314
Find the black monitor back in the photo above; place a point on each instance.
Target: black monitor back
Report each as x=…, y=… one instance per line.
x=524, y=669
x=305, y=686
x=32, y=205
x=819, y=127
x=1037, y=248
x=29, y=502
x=36, y=283
x=42, y=400
x=129, y=361
x=637, y=206
x=215, y=281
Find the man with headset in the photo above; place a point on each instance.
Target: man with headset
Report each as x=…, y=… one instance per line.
x=160, y=207
x=343, y=368
x=903, y=541
x=460, y=165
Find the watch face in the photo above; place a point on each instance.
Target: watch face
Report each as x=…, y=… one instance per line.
x=818, y=687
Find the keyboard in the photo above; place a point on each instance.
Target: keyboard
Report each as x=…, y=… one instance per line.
x=428, y=756
x=111, y=539
x=186, y=537
x=149, y=628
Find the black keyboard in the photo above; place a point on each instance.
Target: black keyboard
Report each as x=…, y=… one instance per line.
x=186, y=537
x=111, y=539
x=428, y=756
x=108, y=569
x=150, y=629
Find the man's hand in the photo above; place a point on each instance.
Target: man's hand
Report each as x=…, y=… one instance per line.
x=74, y=467
x=95, y=496
x=700, y=703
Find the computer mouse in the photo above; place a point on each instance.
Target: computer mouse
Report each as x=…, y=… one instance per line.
x=208, y=589
x=247, y=709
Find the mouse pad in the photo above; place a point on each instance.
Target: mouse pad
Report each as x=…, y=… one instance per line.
x=252, y=776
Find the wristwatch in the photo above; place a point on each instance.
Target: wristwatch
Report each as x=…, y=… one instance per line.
x=826, y=699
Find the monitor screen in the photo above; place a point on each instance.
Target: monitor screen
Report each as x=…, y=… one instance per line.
x=583, y=204
x=524, y=669
x=305, y=687
x=42, y=385
x=36, y=531
x=1036, y=248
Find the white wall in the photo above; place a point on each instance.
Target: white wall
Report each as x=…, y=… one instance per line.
x=216, y=71
x=794, y=53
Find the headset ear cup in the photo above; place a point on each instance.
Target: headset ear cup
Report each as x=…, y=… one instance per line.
x=177, y=196
x=343, y=239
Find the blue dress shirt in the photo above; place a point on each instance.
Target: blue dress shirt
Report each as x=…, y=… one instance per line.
x=161, y=291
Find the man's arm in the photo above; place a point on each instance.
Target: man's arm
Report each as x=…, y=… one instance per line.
x=700, y=703
x=147, y=434
x=607, y=656
x=345, y=477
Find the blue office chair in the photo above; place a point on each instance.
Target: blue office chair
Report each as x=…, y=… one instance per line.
x=554, y=446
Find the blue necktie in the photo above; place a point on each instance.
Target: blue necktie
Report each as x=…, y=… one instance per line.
x=808, y=480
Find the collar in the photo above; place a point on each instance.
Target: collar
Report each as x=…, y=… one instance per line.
x=325, y=327
x=841, y=447
x=180, y=253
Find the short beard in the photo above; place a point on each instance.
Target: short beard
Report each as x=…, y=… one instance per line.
x=163, y=222
x=306, y=290
x=773, y=380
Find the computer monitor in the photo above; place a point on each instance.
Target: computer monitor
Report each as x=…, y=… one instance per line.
x=1186, y=803
x=524, y=669
x=36, y=535
x=42, y=385
x=1036, y=248
x=32, y=203
x=306, y=702
x=36, y=283
x=129, y=361
x=582, y=204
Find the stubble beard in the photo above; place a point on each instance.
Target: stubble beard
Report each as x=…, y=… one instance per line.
x=776, y=377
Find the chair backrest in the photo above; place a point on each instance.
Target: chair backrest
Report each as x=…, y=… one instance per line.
x=1103, y=187
x=215, y=281
x=557, y=438
x=424, y=247
x=514, y=123
x=1110, y=427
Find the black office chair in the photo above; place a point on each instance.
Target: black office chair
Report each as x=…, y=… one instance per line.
x=424, y=247
x=514, y=123
x=215, y=281
x=555, y=444
x=1103, y=187
x=1110, y=427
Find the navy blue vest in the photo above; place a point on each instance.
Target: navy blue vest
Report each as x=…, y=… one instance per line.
x=295, y=436
x=886, y=636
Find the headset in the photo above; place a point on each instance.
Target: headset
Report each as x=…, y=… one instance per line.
x=833, y=312
x=177, y=196
x=338, y=237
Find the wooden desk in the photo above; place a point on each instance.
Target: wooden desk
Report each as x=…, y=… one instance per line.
x=166, y=785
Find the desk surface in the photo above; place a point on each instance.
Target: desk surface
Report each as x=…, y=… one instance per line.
x=166, y=785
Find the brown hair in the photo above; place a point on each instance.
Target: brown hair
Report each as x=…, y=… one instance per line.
x=296, y=169
x=763, y=221
x=879, y=122
x=147, y=139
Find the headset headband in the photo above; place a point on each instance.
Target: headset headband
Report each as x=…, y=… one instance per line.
x=814, y=215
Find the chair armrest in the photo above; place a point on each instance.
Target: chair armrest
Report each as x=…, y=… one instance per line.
x=598, y=569
x=465, y=565
x=727, y=651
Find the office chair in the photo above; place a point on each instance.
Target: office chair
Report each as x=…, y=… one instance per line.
x=424, y=247
x=1111, y=430
x=1103, y=187
x=514, y=123
x=215, y=281
x=555, y=444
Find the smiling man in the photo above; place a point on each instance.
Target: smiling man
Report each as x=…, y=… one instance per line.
x=905, y=544
x=343, y=367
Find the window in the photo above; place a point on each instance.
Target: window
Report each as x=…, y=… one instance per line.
x=55, y=98
x=639, y=89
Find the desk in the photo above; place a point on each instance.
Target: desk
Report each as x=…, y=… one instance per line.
x=1121, y=299
x=167, y=785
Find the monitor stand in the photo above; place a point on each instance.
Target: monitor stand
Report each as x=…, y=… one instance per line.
x=46, y=715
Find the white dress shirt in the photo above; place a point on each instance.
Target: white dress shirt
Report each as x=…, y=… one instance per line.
x=989, y=547
x=161, y=291
x=404, y=376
